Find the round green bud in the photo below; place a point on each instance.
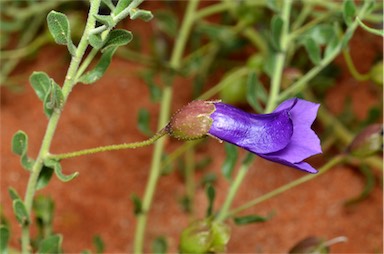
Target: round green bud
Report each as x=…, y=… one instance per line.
x=196, y=238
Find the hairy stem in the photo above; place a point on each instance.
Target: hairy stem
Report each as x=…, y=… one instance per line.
x=47, y=140
x=109, y=148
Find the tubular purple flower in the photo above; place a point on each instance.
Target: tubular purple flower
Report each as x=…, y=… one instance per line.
x=283, y=136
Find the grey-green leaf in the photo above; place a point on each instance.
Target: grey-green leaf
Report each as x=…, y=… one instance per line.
x=276, y=29
x=4, y=238
x=53, y=100
x=51, y=244
x=249, y=219
x=105, y=20
x=96, y=41
x=13, y=194
x=159, y=245
x=313, y=50
x=20, y=147
x=98, y=71
x=20, y=212
x=41, y=83
x=116, y=38
x=99, y=244
x=143, y=120
x=137, y=205
x=254, y=91
x=58, y=25
x=20, y=143
x=141, y=14
x=230, y=160
x=44, y=177
x=349, y=11
x=58, y=171
x=121, y=5
x=211, y=193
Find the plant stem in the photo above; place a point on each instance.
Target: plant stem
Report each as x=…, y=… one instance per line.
x=155, y=169
x=100, y=149
x=279, y=58
x=233, y=189
x=336, y=160
x=44, y=149
x=352, y=69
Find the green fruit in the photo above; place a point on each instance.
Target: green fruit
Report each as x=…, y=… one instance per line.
x=376, y=73
x=235, y=93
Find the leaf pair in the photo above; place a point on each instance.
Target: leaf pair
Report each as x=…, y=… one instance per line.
x=48, y=91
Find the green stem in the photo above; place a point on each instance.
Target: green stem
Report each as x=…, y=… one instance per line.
x=233, y=190
x=352, y=69
x=336, y=160
x=279, y=58
x=44, y=149
x=100, y=149
x=155, y=169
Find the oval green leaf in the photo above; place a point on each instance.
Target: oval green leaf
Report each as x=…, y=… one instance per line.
x=230, y=160
x=41, y=83
x=51, y=244
x=20, y=212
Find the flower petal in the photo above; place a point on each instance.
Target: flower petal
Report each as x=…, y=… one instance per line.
x=299, y=165
x=256, y=133
x=304, y=141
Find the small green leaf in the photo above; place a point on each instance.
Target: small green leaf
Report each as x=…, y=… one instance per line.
x=349, y=11
x=370, y=30
x=270, y=63
x=99, y=244
x=54, y=99
x=98, y=71
x=20, y=143
x=369, y=186
x=141, y=14
x=254, y=91
x=58, y=171
x=143, y=121
x=313, y=50
x=116, y=38
x=13, y=194
x=44, y=177
x=41, y=83
x=58, y=25
x=121, y=5
x=249, y=219
x=167, y=22
x=230, y=160
x=137, y=205
x=154, y=90
x=20, y=147
x=276, y=29
x=51, y=244
x=332, y=45
x=44, y=207
x=210, y=191
x=96, y=41
x=4, y=238
x=346, y=38
x=159, y=245
x=20, y=212
x=105, y=20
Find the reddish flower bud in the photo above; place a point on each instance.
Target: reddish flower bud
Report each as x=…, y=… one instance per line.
x=193, y=121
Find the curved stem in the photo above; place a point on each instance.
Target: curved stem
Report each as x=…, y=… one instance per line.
x=336, y=160
x=100, y=149
x=352, y=69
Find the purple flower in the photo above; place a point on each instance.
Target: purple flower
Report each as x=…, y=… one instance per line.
x=284, y=136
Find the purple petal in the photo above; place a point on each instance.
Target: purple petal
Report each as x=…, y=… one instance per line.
x=256, y=133
x=299, y=165
x=304, y=141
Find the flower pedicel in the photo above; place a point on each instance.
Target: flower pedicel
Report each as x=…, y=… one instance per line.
x=283, y=136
